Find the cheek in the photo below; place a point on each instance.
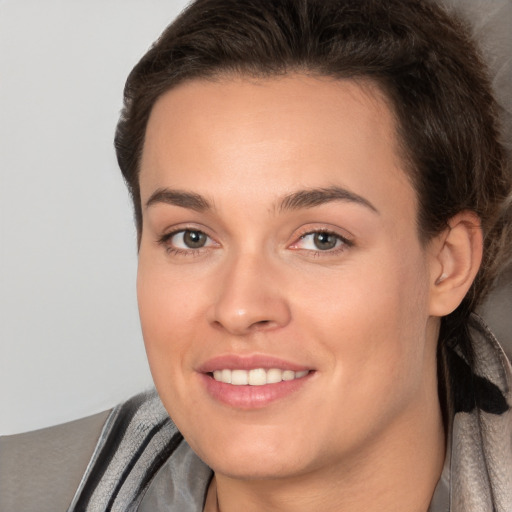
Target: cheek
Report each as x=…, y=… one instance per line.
x=168, y=314
x=372, y=319
x=169, y=299
x=167, y=308
x=397, y=315
x=376, y=294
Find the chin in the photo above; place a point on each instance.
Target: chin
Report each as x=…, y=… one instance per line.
x=254, y=454
x=257, y=467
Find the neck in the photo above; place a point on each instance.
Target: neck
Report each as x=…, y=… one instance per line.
x=398, y=471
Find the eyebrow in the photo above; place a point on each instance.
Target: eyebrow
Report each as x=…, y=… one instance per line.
x=297, y=200
x=189, y=200
x=318, y=196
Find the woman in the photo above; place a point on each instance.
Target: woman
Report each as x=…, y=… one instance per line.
x=319, y=192
x=322, y=201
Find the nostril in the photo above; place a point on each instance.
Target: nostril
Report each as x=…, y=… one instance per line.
x=261, y=324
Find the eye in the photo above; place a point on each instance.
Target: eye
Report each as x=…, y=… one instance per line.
x=321, y=241
x=186, y=240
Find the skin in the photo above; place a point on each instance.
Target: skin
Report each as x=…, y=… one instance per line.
x=365, y=431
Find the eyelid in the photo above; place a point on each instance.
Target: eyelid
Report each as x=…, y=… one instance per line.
x=309, y=230
x=166, y=237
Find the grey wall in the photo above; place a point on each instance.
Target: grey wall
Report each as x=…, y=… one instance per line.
x=70, y=341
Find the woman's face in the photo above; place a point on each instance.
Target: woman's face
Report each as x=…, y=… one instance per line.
x=283, y=289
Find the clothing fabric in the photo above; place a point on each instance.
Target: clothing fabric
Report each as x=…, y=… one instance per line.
x=142, y=463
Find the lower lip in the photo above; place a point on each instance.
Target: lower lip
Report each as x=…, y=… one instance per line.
x=252, y=397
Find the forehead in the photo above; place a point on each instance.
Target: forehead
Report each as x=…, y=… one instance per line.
x=265, y=137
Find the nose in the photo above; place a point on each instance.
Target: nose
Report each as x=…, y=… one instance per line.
x=249, y=297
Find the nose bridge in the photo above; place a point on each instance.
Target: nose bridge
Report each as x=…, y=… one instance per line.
x=249, y=297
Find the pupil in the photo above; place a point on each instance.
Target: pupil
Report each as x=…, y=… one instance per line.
x=194, y=239
x=325, y=241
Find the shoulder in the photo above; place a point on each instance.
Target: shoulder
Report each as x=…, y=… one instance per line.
x=137, y=439
x=40, y=470
x=102, y=462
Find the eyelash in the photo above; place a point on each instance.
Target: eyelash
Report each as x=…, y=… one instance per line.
x=176, y=251
x=345, y=243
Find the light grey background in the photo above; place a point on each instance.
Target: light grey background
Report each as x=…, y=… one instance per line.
x=70, y=342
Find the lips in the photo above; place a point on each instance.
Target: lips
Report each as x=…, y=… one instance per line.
x=252, y=382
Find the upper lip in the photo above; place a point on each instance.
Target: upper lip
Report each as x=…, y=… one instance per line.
x=239, y=362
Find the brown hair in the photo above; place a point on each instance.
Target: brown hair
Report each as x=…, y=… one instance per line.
x=423, y=60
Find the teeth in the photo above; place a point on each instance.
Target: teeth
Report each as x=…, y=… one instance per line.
x=257, y=376
x=226, y=376
x=288, y=375
x=239, y=377
x=274, y=376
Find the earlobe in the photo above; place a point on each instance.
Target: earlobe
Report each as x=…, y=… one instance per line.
x=456, y=258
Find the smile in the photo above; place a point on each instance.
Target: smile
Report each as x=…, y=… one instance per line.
x=253, y=381
x=256, y=376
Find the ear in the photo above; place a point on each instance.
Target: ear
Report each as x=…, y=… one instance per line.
x=456, y=255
